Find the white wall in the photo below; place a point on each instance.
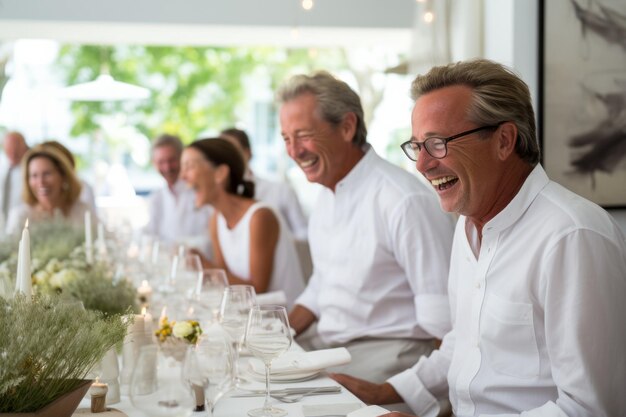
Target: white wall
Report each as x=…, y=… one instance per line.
x=511, y=37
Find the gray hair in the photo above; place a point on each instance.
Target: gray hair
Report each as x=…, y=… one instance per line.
x=168, y=140
x=499, y=95
x=334, y=99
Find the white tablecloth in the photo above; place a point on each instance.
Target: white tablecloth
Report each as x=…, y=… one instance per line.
x=238, y=406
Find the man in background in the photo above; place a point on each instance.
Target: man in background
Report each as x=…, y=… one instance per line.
x=11, y=181
x=174, y=218
x=278, y=194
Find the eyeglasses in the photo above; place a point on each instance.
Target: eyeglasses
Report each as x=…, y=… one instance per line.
x=435, y=146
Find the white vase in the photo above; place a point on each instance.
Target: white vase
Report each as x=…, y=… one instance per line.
x=110, y=375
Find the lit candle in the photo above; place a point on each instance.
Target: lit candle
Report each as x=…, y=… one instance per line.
x=88, y=238
x=144, y=292
x=163, y=316
x=98, y=392
x=23, y=281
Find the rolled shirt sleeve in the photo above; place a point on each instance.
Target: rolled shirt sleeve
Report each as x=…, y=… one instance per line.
x=422, y=243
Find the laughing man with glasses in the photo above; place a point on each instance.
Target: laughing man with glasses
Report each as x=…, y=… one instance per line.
x=537, y=273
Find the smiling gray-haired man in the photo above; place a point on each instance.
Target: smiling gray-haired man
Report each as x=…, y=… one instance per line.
x=379, y=242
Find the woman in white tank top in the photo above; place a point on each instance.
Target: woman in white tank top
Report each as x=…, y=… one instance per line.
x=250, y=239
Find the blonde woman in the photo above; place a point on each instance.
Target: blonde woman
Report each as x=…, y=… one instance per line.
x=51, y=190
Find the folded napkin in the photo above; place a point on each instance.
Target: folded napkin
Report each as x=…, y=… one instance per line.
x=274, y=297
x=371, y=411
x=320, y=410
x=299, y=362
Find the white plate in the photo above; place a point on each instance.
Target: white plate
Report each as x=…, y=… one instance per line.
x=294, y=377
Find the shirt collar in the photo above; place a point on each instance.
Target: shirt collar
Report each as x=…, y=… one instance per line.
x=359, y=171
x=536, y=181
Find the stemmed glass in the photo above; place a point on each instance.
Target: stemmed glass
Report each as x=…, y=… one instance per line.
x=210, y=290
x=208, y=366
x=157, y=387
x=267, y=337
x=236, y=304
x=185, y=272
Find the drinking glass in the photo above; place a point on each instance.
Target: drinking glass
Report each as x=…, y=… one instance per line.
x=208, y=369
x=210, y=290
x=236, y=304
x=267, y=337
x=157, y=386
x=185, y=271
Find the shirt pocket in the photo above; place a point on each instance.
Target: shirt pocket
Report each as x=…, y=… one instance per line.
x=508, y=337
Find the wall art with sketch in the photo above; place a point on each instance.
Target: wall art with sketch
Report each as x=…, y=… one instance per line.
x=584, y=97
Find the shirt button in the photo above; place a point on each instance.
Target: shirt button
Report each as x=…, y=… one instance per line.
x=477, y=284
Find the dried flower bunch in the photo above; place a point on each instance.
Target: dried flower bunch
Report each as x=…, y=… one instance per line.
x=188, y=330
x=48, y=347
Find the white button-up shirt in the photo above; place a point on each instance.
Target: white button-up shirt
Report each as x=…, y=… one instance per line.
x=282, y=197
x=538, y=318
x=174, y=219
x=11, y=183
x=380, y=246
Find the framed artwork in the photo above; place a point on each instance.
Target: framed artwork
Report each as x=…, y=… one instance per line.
x=582, y=92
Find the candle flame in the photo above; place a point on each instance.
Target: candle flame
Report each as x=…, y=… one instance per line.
x=144, y=283
x=143, y=311
x=26, y=224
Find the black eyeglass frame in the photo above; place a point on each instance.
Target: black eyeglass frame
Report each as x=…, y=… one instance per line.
x=409, y=150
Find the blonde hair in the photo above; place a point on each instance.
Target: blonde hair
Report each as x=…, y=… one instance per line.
x=71, y=185
x=499, y=95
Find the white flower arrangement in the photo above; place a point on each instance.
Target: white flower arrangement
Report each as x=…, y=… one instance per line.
x=59, y=266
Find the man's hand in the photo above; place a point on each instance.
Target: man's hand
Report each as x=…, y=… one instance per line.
x=368, y=392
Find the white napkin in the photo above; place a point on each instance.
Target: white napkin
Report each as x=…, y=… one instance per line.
x=320, y=410
x=371, y=411
x=299, y=362
x=274, y=297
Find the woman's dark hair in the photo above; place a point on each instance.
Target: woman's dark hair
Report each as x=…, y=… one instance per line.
x=221, y=152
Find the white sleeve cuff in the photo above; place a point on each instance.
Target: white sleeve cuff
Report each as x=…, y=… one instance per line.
x=413, y=392
x=308, y=299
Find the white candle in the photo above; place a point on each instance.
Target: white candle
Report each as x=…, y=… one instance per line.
x=23, y=282
x=147, y=321
x=100, y=241
x=144, y=292
x=98, y=388
x=88, y=238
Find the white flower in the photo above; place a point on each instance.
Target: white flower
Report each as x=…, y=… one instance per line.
x=63, y=277
x=182, y=329
x=54, y=266
x=41, y=276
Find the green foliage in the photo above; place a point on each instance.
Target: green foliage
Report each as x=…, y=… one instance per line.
x=194, y=89
x=98, y=290
x=58, y=267
x=47, y=347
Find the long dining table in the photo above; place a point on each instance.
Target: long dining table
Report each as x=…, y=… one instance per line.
x=232, y=405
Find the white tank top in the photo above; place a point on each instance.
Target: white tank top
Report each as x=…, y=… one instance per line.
x=235, y=245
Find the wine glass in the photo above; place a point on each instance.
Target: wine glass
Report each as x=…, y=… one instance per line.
x=267, y=337
x=210, y=290
x=157, y=386
x=208, y=370
x=236, y=304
